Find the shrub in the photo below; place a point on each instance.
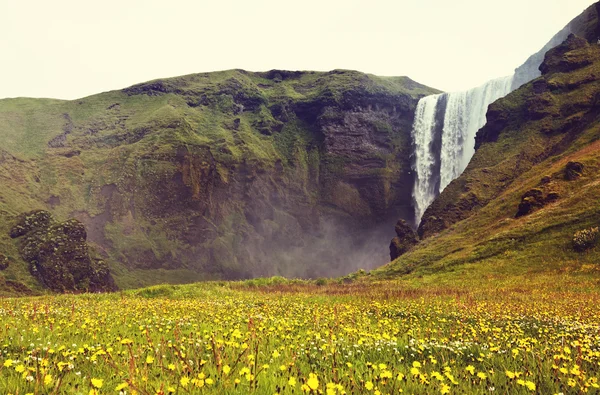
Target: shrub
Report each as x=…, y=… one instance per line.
x=585, y=239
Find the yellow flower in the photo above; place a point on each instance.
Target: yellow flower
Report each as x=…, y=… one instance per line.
x=312, y=382
x=470, y=369
x=47, y=379
x=482, y=375
x=171, y=366
x=149, y=359
x=121, y=386
x=510, y=374
x=184, y=381
x=445, y=389
x=575, y=370
x=209, y=381
x=530, y=385
x=97, y=383
x=292, y=382
x=226, y=369
x=369, y=385
x=20, y=368
x=416, y=364
x=8, y=363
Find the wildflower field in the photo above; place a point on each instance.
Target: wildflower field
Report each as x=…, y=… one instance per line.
x=379, y=338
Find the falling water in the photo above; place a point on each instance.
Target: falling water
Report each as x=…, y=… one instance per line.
x=460, y=115
x=446, y=124
x=464, y=116
x=424, y=159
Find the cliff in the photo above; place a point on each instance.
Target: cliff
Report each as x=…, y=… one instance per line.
x=531, y=186
x=219, y=175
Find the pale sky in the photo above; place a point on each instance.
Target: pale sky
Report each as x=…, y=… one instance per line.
x=69, y=49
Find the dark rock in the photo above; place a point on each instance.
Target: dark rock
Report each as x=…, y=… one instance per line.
x=28, y=222
x=545, y=180
x=552, y=197
x=540, y=86
x=573, y=171
x=558, y=59
x=58, y=254
x=4, y=262
x=541, y=105
x=531, y=200
x=405, y=239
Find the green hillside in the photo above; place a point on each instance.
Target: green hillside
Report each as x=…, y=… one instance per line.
x=532, y=184
x=218, y=175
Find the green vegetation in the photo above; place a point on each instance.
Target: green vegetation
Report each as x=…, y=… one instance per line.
x=518, y=335
x=539, y=148
x=208, y=176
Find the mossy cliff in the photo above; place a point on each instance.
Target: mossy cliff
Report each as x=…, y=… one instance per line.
x=58, y=254
x=532, y=183
x=218, y=175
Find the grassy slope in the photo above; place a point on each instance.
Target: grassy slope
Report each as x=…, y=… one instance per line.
x=491, y=242
x=104, y=147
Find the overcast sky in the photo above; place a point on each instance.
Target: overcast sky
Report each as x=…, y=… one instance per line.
x=69, y=49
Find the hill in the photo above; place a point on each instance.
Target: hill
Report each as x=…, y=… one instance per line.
x=230, y=174
x=531, y=185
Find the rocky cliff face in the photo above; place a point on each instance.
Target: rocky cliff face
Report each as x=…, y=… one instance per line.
x=220, y=175
x=552, y=109
x=532, y=183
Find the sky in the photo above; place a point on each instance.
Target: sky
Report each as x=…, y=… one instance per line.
x=69, y=49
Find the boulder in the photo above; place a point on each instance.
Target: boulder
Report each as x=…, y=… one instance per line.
x=531, y=200
x=573, y=171
x=405, y=239
x=58, y=254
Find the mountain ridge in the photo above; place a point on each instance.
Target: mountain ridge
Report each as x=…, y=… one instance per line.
x=205, y=175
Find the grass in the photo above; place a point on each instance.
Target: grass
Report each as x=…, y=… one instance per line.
x=518, y=335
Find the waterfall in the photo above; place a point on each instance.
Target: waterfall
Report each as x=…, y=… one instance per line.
x=445, y=126
x=464, y=116
x=424, y=160
x=459, y=115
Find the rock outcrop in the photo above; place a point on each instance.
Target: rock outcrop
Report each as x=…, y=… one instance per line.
x=573, y=171
x=405, y=239
x=58, y=254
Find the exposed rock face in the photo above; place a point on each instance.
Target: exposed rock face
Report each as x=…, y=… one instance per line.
x=236, y=174
x=549, y=114
x=405, y=239
x=561, y=59
x=573, y=171
x=531, y=200
x=58, y=254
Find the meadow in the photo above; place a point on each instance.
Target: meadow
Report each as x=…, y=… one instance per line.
x=530, y=334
